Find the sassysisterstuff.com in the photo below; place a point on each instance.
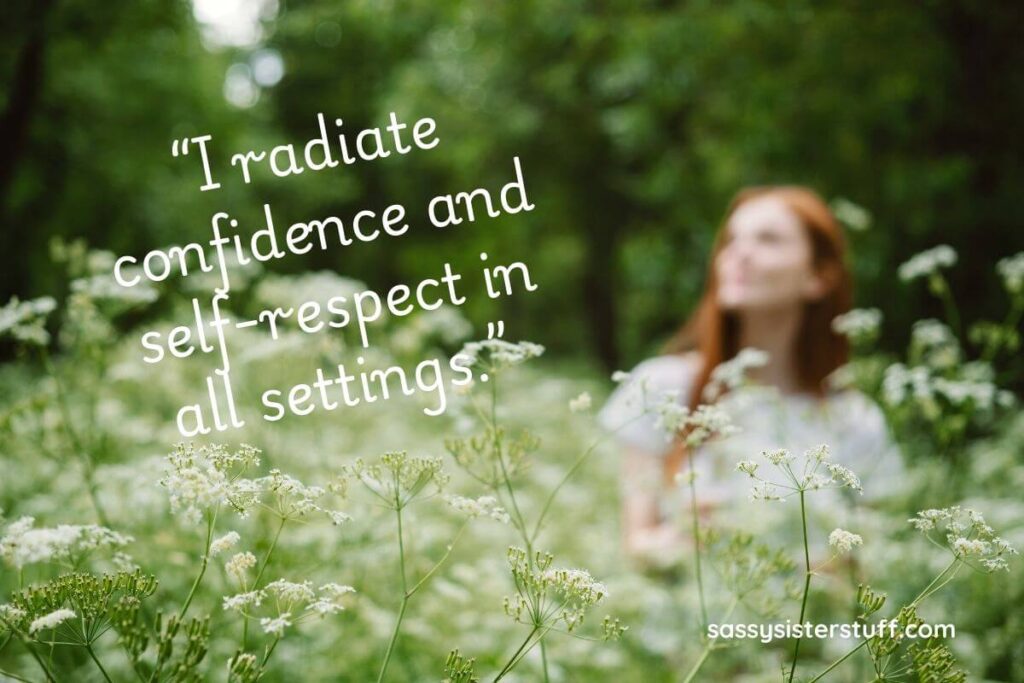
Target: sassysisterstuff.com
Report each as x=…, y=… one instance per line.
x=886, y=628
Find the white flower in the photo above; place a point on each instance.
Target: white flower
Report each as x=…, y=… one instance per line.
x=580, y=403
x=24, y=321
x=620, y=376
x=819, y=453
x=51, y=620
x=748, y=467
x=290, y=592
x=733, y=373
x=842, y=541
x=12, y=614
x=1011, y=270
x=225, y=542
x=329, y=601
x=778, y=456
x=853, y=216
x=927, y=262
x=479, y=507
x=239, y=564
x=964, y=546
x=859, y=324
x=202, y=479
x=276, y=625
x=22, y=544
x=967, y=535
x=764, y=490
x=844, y=476
x=500, y=353
x=242, y=600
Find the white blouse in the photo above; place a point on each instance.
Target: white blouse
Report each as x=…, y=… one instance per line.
x=847, y=421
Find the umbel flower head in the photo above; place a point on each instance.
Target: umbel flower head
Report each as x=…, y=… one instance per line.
x=967, y=535
x=395, y=478
x=842, y=541
x=201, y=479
x=1011, y=270
x=732, y=374
x=23, y=543
x=497, y=354
x=25, y=321
x=548, y=595
x=860, y=325
x=696, y=427
x=928, y=263
x=816, y=472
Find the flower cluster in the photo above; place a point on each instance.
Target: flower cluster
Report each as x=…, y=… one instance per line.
x=484, y=506
x=294, y=602
x=396, y=478
x=23, y=544
x=854, y=216
x=1011, y=270
x=816, y=473
x=860, y=325
x=733, y=373
x=25, y=321
x=201, y=479
x=967, y=535
x=496, y=354
x=842, y=541
x=696, y=427
x=927, y=263
x=548, y=595
x=51, y=620
x=581, y=403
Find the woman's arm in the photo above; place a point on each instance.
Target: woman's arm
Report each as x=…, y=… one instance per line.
x=647, y=537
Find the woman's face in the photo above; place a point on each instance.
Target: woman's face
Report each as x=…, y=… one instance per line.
x=766, y=261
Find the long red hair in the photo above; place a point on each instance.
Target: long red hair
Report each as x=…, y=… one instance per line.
x=714, y=333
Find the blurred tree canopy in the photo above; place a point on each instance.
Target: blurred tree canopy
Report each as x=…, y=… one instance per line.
x=635, y=121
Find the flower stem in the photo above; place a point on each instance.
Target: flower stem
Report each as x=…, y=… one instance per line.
x=83, y=454
x=696, y=550
x=405, y=588
x=210, y=521
x=921, y=596
x=88, y=648
x=807, y=583
x=514, y=659
x=259, y=575
x=709, y=645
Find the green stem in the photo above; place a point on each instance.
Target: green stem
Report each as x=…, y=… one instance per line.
x=513, y=660
x=83, y=454
x=839, y=661
x=807, y=584
x=710, y=644
x=210, y=521
x=437, y=565
x=696, y=549
x=88, y=648
x=921, y=596
x=14, y=676
x=941, y=287
x=259, y=575
x=405, y=588
x=270, y=551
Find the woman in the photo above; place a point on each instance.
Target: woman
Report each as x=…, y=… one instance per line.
x=776, y=281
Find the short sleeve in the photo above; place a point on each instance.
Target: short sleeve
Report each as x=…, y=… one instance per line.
x=628, y=413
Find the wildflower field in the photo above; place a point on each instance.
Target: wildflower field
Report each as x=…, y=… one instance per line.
x=472, y=525
x=482, y=544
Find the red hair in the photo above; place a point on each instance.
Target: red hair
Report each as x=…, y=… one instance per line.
x=818, y=350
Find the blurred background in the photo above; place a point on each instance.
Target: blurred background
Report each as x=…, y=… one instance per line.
x=636, y=122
